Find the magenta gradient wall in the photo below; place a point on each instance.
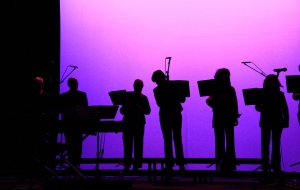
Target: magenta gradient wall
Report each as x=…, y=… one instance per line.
x=115, y=42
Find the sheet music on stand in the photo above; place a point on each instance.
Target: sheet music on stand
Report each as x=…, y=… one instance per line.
x=180, y=87
x=253, y=96
x=293, y=83
x=90, y=113
x=117, y=97
x=212, y=86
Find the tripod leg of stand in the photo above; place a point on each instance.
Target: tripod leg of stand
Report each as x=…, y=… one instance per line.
x=74, y=168
x=48, y=169
x=295, y=164
x=217, y=162
x=38, y=180
x=258, y=168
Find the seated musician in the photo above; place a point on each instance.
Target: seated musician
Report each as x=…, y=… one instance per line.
x=38, y=108
x=67, y=101
x=134, y=110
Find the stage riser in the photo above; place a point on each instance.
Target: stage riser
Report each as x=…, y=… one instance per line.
x=187, y=173
x=88, y=184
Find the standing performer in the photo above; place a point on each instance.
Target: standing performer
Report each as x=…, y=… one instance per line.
x=170, y=119
x=71, y=100
x=296, y=96
x=274, y=116
x=225, y=117
x=134, y=110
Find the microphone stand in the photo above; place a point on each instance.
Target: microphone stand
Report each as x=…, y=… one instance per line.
x=168, y=69
x=260, y=71
x=61, y=81
x=64, y=78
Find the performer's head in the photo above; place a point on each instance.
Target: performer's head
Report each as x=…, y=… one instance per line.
x=138, y=85
x=73, y=83
x=38, y=84
x=158, y=76
x=272, y=82
x=222, y=73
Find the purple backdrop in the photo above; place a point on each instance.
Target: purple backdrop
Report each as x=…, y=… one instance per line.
x=115, y=42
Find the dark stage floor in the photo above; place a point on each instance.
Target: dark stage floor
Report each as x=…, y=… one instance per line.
x=139, y=183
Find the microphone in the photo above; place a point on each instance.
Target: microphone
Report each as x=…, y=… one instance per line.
x=75, y=67
x=169, y=58
x=281, y=69
x=246, y=62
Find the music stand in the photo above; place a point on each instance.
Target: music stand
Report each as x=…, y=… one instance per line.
x=209, y=88
x=93, y=114
x=180, y=87
x=293, y=83
x=176, y=88
x=117, y=97
x=212, y=86
x=253, y=96
x=293, y=86
x=98, y=113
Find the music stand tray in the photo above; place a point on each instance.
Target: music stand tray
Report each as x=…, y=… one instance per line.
x=253, y=96
x=180, y=87
x=117, y=97
x=211, y=86
x=293, y=83
x=95, y=112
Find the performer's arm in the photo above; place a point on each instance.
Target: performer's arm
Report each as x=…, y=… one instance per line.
x=158, y=98
x=258, y=107
x=236, y=110
x=123, y=110
x=210, y=101
x=146, y=106
x=285, y=112
x=85, y=100
x=182, y=99
x=296, y=96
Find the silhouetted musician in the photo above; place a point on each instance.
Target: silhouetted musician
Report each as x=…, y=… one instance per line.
x=224, y=103
x=170, y=119
x=134, y=109
x=39, y=105
x=274, y=116
x=67, y=101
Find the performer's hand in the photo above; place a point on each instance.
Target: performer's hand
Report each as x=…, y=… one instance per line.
x=138, y=107
x=210, y=101
x=182, y=99
x=296, y=96
x=285, y=123
x=224, y=96
x=236, y=122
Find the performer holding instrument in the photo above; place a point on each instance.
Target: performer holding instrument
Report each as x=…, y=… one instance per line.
x=67, y=101
x=134, y=109
x=170, y=119
x=274, y=116
x=225, y=116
